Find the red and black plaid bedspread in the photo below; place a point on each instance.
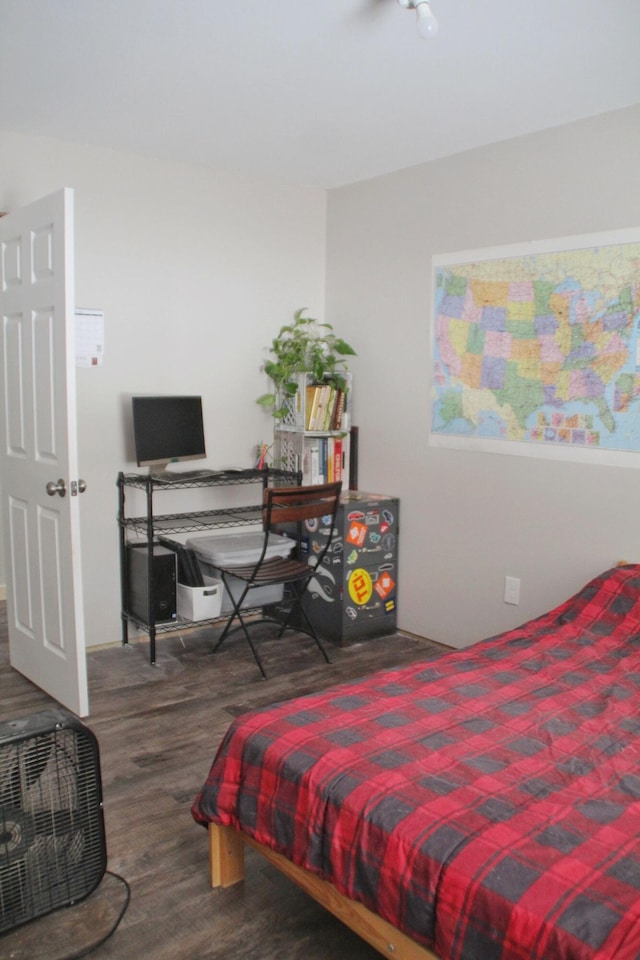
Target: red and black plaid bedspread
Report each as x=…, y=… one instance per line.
x=487, y=803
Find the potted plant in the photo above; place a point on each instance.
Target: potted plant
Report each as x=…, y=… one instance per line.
x=305, y=346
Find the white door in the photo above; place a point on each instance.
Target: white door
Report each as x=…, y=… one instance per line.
x=38, y=451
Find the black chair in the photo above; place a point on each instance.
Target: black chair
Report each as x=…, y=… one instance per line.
x=284, y=508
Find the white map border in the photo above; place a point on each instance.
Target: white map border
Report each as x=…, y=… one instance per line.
x=521, y=448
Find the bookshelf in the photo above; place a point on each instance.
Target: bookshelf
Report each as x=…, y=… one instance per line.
x=313, y=437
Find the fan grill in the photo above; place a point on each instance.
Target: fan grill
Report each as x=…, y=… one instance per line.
x=52, y=842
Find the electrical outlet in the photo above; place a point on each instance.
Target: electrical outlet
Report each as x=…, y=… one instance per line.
x=512, y=590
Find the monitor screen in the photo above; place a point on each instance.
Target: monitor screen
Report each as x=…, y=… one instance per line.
x=167, y=429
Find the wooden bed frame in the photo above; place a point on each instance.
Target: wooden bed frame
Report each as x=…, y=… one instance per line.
x=226, y=863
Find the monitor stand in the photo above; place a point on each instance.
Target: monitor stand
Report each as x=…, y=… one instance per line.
x=159, y=471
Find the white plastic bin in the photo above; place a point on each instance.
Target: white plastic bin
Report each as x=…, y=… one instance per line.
x=200, y=603
x=236, y=549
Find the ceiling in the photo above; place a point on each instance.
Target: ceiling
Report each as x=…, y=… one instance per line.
x=318, y=92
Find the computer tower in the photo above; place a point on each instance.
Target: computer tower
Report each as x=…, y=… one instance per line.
x=164, y=582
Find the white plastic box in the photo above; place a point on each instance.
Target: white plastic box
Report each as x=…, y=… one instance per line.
x=233, y=550
x=200, y=603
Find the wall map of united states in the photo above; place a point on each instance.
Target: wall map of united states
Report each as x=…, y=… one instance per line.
x=542, y=348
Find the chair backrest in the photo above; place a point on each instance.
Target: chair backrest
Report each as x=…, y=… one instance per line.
x=294, y=505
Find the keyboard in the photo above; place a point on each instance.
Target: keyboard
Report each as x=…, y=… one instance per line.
x=183, y=475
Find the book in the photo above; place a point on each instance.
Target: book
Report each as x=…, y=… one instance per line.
x=311, y=400
x=314, y=463
x=322, y=466
x=313, y=416
x=318, y=418
x=328, y=415
x=329, y=476
x=337, y=459
x=338, y=410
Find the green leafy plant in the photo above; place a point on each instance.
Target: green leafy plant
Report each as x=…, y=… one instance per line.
x=304, y=346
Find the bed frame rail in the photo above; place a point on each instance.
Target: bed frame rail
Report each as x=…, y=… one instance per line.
x=226, y=860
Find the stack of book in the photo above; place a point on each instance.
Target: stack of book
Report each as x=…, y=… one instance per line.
x=324, y=407
x=325, y=460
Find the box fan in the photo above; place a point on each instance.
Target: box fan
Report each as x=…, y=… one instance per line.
x=52, y=838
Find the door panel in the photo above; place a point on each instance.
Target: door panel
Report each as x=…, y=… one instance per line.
x=44, y=388
x=38, y=446
x=20, y=567
x=14, y=403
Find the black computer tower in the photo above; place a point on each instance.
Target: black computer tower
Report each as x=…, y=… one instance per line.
x=164, y=582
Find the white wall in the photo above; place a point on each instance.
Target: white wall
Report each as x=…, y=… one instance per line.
x=469, y=519
x=195, y=273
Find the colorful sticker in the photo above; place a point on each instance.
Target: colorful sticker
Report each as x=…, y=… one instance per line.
x=384, y=585
x=357, y=533
x=323, y=584
x=360, y=586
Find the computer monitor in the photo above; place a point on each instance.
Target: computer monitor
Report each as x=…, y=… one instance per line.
x=167, y=430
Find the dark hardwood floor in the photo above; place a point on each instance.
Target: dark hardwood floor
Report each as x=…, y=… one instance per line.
x=158, y=728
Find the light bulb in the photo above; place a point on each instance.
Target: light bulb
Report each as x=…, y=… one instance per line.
x=427, y=24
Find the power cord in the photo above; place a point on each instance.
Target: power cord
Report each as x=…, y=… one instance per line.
x=84, y=952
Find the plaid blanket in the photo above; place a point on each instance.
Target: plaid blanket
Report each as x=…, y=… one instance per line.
x=486, y=803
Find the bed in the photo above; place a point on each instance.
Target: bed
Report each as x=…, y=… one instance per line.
x=481, y=806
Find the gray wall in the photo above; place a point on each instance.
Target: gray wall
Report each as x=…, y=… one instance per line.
x=195, y=273
x=468, y=519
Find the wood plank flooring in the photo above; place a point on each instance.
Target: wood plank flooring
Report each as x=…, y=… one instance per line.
x=158, y=728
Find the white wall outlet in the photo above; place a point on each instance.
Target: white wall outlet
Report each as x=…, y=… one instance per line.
x=512, y=590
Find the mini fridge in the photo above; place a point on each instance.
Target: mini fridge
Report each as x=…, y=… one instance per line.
x=354, y=595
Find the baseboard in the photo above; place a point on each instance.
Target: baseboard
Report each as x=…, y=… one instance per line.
x=419, y=636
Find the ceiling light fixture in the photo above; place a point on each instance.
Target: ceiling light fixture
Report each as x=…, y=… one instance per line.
x=427, y=25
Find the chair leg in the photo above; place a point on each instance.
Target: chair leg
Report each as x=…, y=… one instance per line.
x=255, y=653
x=297, y=605
x=235, y=614
x=225, y=631
x=227, y=627
x=315, y=636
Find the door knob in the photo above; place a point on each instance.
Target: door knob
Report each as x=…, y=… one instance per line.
x=78, y=486
x=60, y=488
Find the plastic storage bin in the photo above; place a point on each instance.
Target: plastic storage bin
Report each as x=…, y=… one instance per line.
x=234, y=550
x=200, y=603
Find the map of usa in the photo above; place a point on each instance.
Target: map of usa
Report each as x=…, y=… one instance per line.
x=542, y=348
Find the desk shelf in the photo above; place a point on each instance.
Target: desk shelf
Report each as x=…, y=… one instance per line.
x=149, y=525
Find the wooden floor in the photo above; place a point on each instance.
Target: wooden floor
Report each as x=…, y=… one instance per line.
x=158, y=728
